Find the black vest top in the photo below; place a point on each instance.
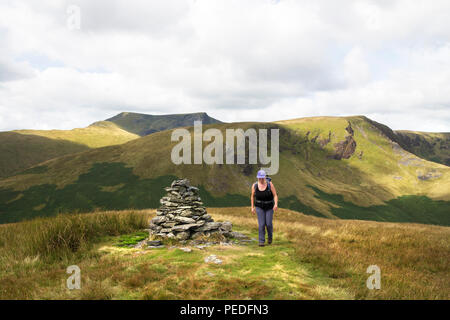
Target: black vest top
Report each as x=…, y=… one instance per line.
x=265, y=195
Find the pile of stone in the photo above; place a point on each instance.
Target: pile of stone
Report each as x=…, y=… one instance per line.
x=183, y=216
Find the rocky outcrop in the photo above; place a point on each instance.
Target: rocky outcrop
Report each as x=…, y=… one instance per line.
x=345, y=149
x=324, y=142
x=431, y=147
x=183, y=216
x=428, y=174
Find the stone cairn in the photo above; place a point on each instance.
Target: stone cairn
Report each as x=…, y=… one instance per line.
x=183, y=216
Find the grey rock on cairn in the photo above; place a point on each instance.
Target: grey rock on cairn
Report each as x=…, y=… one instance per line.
x=183, y=216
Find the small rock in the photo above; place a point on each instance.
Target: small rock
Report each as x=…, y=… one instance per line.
x=196, y=235
x=185, y=249
x=169, y=224
x=226, y=226
x=209, y=226
x=213, y=259
x=140, y=244
x=226, y=234
x=153, y=242
x=184, y=220
x=159, y=219
x=182, y=235
x=154, y=247
x=238, y=235
x=183, y=227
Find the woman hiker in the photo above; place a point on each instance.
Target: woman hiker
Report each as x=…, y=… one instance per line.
x=264, y=201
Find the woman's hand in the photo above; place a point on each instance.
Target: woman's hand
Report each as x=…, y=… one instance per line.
x=253, y=210
x=275, y=207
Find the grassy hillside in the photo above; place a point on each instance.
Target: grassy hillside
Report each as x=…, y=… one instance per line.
x=20, y=151
x=375, y=179
x=144, y=124
x=379, y=160
x=98, y=134
x=310, y=258
x=431, y=146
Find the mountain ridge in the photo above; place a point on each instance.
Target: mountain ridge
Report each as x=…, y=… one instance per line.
x=145, y=124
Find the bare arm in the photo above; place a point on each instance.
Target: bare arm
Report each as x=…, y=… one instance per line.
x=275, y=195
x=253, y=197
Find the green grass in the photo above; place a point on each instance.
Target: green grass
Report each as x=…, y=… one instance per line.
x=247, y=272
x=64, y=234
x=228, y=200
x=310, y=258
x=413, y=257
x=132, y=239
x=34, y=254
x=411, y=208
x=293, y=203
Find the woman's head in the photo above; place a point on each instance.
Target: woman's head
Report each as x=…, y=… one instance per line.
x=261, y=175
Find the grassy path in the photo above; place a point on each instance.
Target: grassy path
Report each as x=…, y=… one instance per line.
x=311, y=258
x=246, y=272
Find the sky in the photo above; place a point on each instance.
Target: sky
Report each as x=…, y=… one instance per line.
x=67, y=64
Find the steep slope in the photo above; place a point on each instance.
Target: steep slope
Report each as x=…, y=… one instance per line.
x=332, y=167
x=144, y=124
x=431, y=146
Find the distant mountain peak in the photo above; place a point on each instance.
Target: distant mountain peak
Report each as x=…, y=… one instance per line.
x=145, y=124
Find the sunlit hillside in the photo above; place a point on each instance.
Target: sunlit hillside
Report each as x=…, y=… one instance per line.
x=329, y=167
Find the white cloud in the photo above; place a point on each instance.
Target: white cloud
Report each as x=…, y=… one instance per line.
x=355, y=68
x=238, y=60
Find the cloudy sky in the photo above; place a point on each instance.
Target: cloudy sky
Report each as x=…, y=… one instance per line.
x=238, y=60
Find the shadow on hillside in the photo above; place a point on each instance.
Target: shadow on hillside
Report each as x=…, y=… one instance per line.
x=21, y=151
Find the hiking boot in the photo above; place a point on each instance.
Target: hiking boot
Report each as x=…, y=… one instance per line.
x=261, y=244
x=269, y=241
